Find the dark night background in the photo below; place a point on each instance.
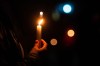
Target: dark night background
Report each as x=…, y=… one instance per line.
x=84, y=18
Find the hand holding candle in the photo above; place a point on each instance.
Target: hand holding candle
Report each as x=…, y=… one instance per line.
x=39, y=28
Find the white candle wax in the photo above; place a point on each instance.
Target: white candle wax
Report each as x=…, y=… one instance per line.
x=39, y=31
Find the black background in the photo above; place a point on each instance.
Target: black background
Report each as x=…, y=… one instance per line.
x=84, y=19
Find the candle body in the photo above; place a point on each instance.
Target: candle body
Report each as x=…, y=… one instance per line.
x=39, y=31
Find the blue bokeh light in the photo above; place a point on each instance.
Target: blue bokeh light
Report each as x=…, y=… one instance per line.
x=67, y=8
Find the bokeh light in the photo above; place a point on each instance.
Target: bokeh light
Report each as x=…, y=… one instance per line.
x=67, y=8
x=70, y=33
x=55, y=15
x=41, y=13
x=53, y=42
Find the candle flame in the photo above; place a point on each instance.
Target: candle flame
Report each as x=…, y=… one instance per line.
x=40, y=21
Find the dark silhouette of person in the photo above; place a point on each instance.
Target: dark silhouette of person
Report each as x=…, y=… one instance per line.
x=11, y=50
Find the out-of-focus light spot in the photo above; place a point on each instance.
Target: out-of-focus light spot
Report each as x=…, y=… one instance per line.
x=41, y=13
x=70, y=33
x=55, y=16
x=53, y=42
x=67, y=8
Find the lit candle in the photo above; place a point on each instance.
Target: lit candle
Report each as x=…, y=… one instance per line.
x=39, y=28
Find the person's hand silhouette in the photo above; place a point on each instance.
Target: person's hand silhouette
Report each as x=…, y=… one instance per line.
x=36, y=48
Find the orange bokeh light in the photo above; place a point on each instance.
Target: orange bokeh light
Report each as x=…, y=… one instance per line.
x=53, y=42
x=70, y=33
